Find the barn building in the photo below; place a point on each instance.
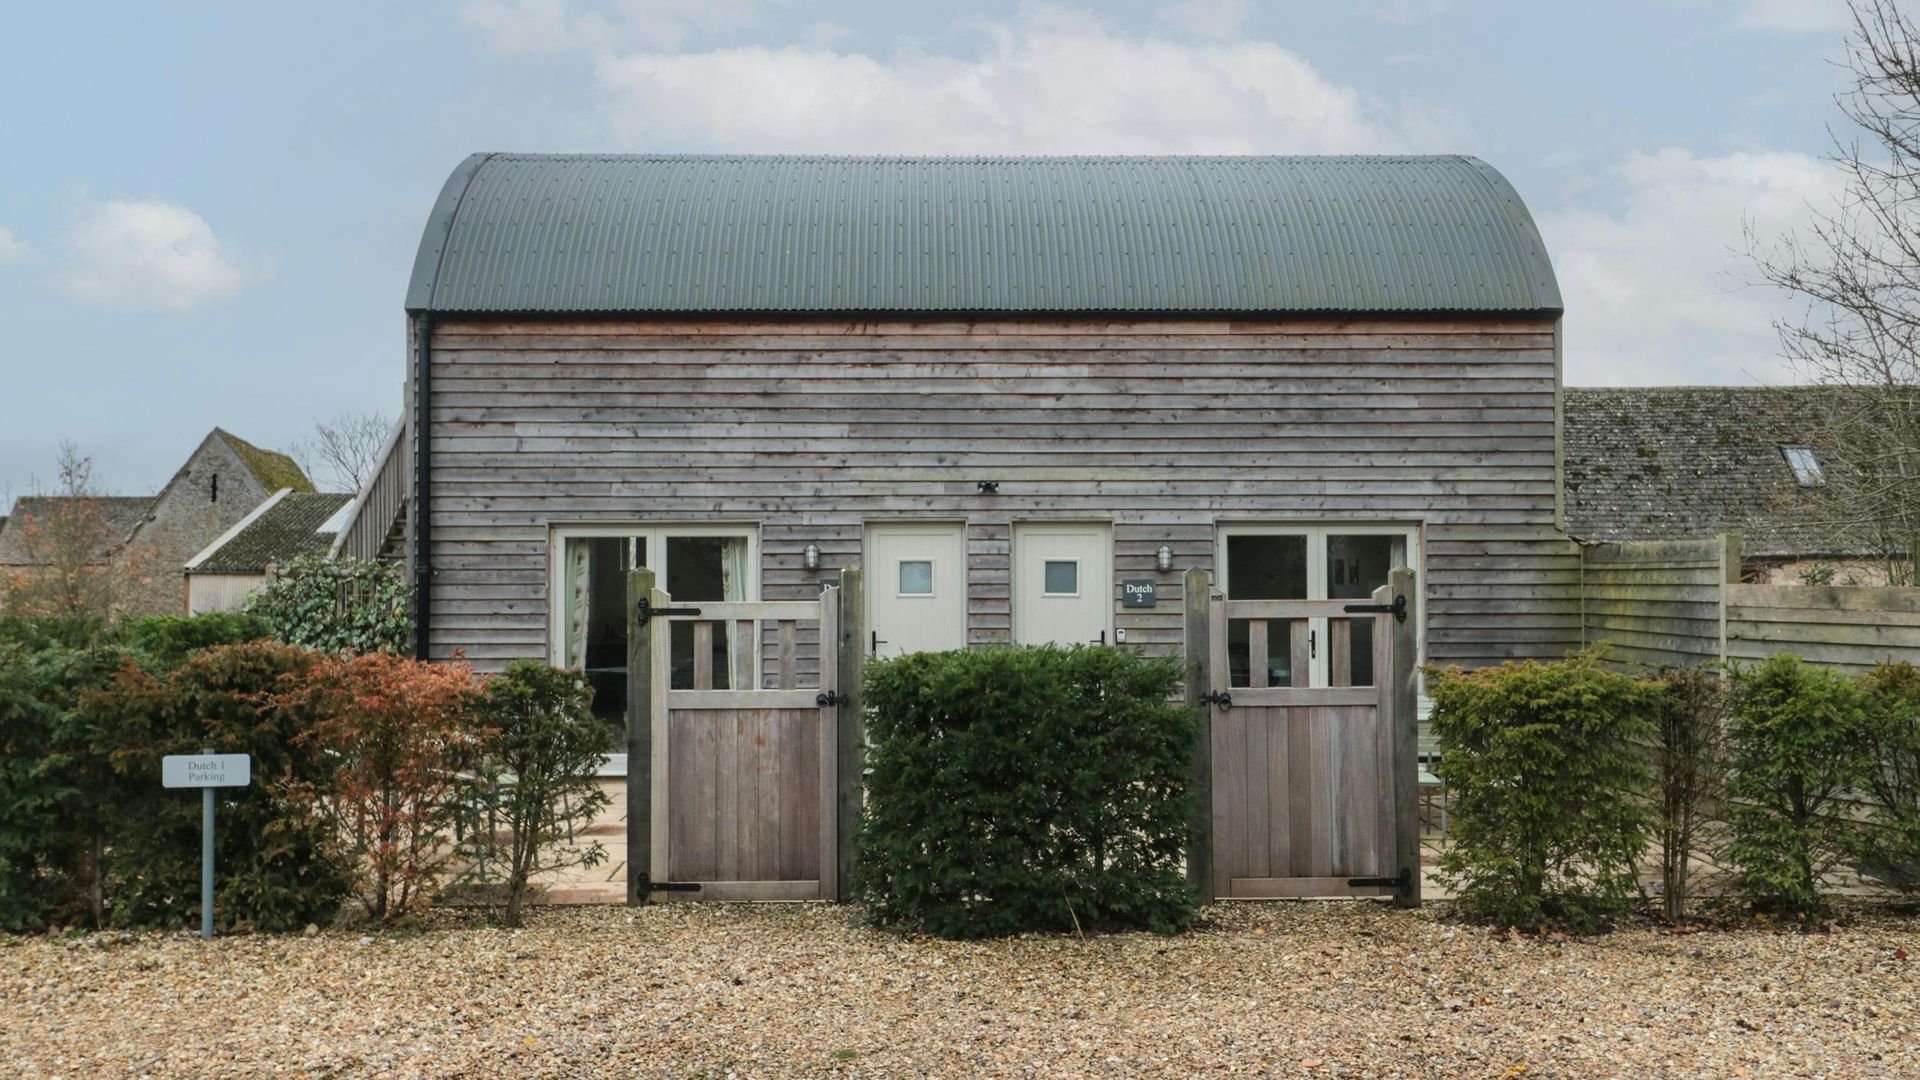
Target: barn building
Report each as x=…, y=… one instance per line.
x=1006, y=387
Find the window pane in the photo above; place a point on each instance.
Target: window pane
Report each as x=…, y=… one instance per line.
x=713, y=569
x=1267, y=567
x=1357, y=565
x=916, y=578
x=1240, y=663
x=596, y=592
x=1062, y=578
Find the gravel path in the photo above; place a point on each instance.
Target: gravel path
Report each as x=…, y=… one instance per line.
x=713, y=991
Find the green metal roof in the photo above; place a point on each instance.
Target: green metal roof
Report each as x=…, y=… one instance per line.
x=533, y=233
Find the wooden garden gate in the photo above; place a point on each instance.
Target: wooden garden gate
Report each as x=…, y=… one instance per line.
x=735, y=711
x=1313, y=788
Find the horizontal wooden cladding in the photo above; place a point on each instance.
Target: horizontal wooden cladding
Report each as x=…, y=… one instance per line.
x=1841, y=626
x=1654, y=603
x=1162, y=427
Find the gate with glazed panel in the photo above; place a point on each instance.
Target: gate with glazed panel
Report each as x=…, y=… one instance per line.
x=1312, y=787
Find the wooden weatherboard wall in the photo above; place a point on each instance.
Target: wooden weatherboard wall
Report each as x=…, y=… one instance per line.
x=1162, y=427
x=1681, y=602
x=1657, y=602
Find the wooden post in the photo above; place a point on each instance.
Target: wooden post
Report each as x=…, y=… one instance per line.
x=849, y=656
x=1406, y=731
x=1729, y=575
x=1196, y=587
x=640, y=721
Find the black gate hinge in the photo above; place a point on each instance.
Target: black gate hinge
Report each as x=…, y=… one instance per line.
x=648, y=885
x=826, y=698
x=1402, y=883
x=1398, y=609
x=648, y=612
x=1217, y=697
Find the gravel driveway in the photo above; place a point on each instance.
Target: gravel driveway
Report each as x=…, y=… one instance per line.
x=1301, y=989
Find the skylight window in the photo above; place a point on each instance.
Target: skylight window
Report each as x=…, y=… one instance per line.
x=1806, y=467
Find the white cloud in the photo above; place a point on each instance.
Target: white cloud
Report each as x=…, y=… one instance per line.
x=1795, y=16
x=554, y=25
x=148, y=253
x=1661, y=291
x=11, y=246
x=1052, y=81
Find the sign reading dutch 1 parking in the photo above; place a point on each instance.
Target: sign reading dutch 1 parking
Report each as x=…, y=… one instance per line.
x=205, y=770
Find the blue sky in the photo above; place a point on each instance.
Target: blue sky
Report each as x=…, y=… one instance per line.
x=208, y=211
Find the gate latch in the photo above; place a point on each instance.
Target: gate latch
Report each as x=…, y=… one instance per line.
x=1403, y=883
x=648, y=612
x=1398, y=609
x=827, y=698
x=1217, y=697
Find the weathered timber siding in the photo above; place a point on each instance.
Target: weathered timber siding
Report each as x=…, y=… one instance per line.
x=1657, y=602
x=1851, y=627
x=1164, y=428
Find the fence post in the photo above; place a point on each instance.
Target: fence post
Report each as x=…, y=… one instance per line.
x=1196, y=587
x=640, y=721
x=1729, y=575
x=1406, y=731
x=849, y=655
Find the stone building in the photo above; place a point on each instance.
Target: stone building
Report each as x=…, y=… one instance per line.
x=152, y=538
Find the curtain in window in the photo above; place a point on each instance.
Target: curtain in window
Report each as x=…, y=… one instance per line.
x=733, y=585
x=574, y=653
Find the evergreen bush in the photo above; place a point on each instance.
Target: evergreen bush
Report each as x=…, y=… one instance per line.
x=1026, y=788
x=1689, y=773
x=1799, y=745
x=1892, y=784
x=1546, y=777
x=338, y=606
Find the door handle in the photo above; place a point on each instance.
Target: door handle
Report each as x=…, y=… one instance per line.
x=1102, y=639
x=1313, y=643
x=876, y=643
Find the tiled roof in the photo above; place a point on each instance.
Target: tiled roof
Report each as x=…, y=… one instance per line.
x=273, y=469
x=288, y=528
x=1688, y=462
x=117, y=516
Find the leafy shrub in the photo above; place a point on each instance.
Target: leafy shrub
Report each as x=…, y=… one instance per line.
x=1689, y=772
x=168, y=640
x=401, y=735
x=1022, y=788
x=1543, y=767
x=1798, y=739
x=341, y=606
x=278, y=865
x=537, y=777
x=1892, y=782
x=50, y=804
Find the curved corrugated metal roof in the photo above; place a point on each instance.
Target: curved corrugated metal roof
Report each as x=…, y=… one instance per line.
x=541, y=233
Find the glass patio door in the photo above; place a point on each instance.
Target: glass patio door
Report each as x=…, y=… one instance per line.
x=1307, y=562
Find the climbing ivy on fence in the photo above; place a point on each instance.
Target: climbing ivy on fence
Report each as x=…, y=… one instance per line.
x=339, y=606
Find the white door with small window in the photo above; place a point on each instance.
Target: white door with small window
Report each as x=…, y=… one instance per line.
x=916, y=588
x=1062, y=584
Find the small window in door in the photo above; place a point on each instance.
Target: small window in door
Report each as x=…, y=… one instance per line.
x=916, y=577
x=1061, y=577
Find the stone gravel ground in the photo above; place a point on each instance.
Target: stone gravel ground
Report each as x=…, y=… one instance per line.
x=1300, y=989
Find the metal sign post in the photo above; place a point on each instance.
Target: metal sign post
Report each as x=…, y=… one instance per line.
x=206, y=771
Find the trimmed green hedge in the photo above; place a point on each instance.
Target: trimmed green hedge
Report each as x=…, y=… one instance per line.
x=1545, y=776
x=1026, y=788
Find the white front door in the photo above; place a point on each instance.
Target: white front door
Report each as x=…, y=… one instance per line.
x=1062, y=584
x=916, y=588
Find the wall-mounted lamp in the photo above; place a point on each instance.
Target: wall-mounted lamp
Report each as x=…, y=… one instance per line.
x=812, y=556
x=1163, y=558
x=989, y=487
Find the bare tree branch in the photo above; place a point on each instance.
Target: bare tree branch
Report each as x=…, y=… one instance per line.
x=344, y=452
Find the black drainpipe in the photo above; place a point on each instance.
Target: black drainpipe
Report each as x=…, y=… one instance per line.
x=422, y=490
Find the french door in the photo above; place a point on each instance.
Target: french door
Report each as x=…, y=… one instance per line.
x=1307, y=562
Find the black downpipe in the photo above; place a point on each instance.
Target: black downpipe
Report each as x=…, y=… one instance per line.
x=422, y=488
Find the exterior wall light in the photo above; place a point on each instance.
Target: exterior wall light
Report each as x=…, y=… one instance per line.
x=812, y=556
x=1163, y=558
